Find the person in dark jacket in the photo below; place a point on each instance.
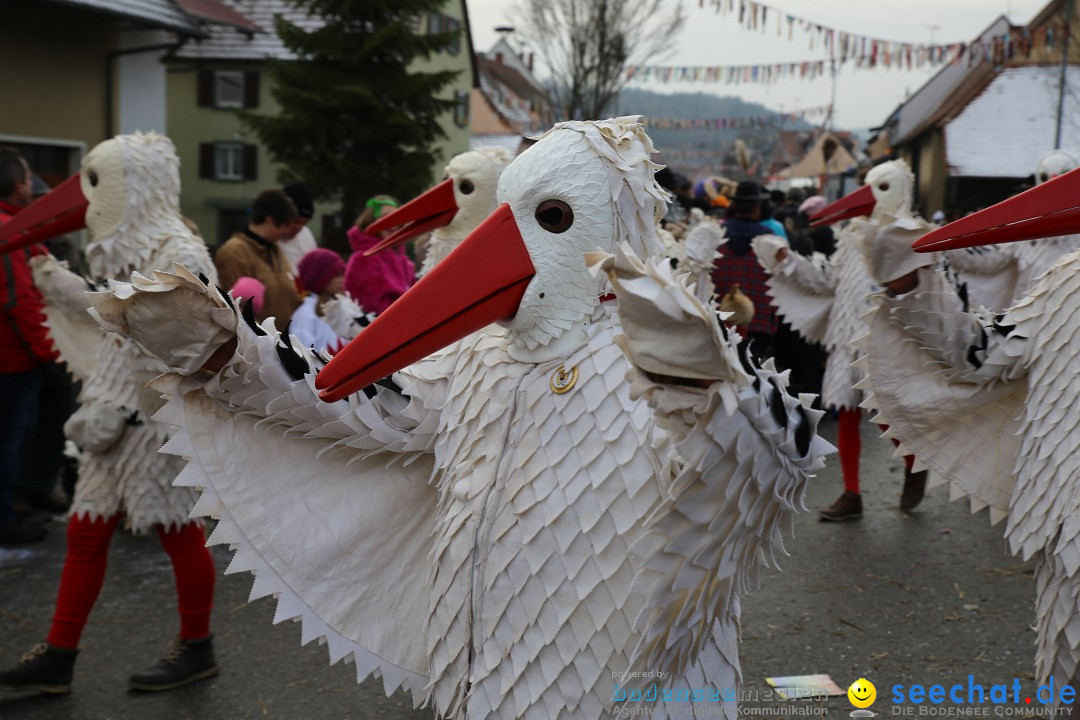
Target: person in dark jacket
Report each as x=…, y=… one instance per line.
x=738, y=265
x=26, y=351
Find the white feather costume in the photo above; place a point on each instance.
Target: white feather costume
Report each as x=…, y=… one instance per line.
x=132, y=184
x=824, y=298
x=492, y=545
x=988, y=403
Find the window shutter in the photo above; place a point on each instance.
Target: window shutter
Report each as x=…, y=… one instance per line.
x=250, y=162
x=206, y=160
x=251, y=89
x=206, y=88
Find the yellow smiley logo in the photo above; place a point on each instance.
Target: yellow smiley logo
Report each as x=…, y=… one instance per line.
x=862, y=693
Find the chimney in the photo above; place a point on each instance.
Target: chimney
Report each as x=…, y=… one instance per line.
x=499, y=58
x=530, y=62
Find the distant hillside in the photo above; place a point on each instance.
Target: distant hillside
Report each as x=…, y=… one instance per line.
x=705, y=151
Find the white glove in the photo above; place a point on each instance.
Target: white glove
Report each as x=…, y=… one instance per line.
x=174, y=316
x=666, y=330
x=886, y=245
x=95, y=427
x=766, y=247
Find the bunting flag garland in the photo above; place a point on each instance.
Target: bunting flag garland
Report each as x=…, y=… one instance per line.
x=765, y=74
x=864, y=51
x=722, y=123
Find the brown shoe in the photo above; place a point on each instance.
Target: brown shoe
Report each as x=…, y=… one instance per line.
x=847, y=507
x=914, y=489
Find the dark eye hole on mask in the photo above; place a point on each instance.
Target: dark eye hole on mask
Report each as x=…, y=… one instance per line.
x=92, y=177
x=555, y=216
x=466, y=187
x=883, y=187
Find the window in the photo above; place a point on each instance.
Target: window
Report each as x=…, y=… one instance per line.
x=228, y=89
x=461, y=108
x=229, y=161
x=439, y=23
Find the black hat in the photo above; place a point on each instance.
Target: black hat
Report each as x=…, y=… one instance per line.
x=749, y=190
x=300, y=194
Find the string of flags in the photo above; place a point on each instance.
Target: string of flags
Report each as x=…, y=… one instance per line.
x=721, y=123
x=765, y=74
x=863, y=51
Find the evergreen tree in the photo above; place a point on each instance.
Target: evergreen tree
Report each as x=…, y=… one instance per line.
x=354, y=120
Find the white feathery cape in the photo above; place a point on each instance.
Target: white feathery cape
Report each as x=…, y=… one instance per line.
x=134, y=222
x=495, y=547
x=989, y=403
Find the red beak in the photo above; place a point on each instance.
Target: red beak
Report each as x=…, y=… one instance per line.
x=860, y=202
x=1046, y=210
x=434, y=209
x=480, y=282
x=63, y=210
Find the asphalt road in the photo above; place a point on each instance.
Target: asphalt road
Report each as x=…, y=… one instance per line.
x=929, y=597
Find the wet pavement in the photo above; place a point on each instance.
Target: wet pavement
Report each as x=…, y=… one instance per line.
x=929, y=597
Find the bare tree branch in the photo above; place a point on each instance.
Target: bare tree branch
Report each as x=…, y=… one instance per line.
x=586, y=45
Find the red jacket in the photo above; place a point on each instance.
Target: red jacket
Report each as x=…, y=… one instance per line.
x=376, y=281
x=24, y=339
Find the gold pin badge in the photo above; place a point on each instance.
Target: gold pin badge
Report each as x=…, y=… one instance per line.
x=563, y=380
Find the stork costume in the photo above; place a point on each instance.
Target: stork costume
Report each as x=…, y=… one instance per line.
x=824, y=299
x=128, y=193
x=999, y=275
x=953, y=384
x=515, y=516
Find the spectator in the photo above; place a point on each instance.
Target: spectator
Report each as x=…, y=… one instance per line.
x=322, y=275
x=739, y=265
x=376, y=281
x=26, y=351
x=254, y=292
x=822, y=237
x=299, y=240
x=254, y=252
x=44, y=460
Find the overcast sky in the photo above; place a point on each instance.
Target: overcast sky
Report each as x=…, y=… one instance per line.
x=864, y=98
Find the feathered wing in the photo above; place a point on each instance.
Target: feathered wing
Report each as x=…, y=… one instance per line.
x=1047, y=494
x=803, y=290
x=939, y=377
x=741, y=478
x=76, y=336
x=744, y=449
x=990, y=272
x=1044, y=519
x=327, y=503
x=345, y=316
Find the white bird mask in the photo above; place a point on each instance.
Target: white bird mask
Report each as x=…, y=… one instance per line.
x=127, y=194
x=452, y=209
x=887, y=190
x=584, y=186
x=1055, y=163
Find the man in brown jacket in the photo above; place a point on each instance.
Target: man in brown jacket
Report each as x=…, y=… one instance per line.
x=254, y=252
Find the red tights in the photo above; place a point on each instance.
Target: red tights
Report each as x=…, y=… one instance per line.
x=84, y=574
x=849, y=443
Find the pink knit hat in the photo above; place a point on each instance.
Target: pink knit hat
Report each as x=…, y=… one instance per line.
x=249, y=287
x=318, y=267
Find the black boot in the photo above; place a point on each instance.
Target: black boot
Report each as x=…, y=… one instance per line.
x=185, y=662
x=914, y=489
x=45, y=669
x=847, y=507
